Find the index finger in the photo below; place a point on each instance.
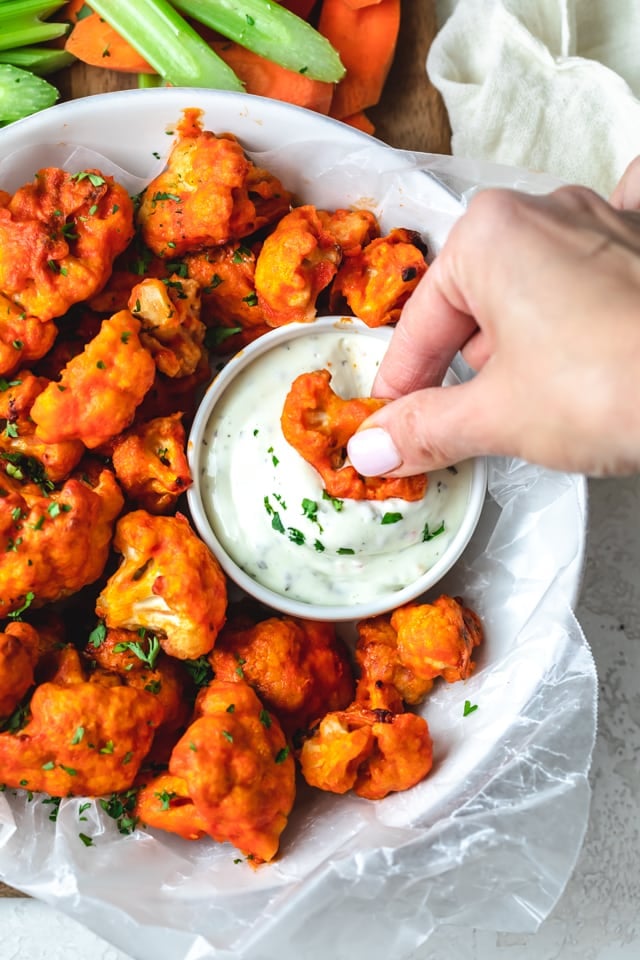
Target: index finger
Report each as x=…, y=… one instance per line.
x=430, y=331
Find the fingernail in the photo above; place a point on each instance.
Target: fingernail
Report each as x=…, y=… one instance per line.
x=373, y=452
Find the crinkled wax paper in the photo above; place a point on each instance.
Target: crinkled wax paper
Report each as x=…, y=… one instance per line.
x=490, y=837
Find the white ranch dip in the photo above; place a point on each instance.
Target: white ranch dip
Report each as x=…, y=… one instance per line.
x=266, y=504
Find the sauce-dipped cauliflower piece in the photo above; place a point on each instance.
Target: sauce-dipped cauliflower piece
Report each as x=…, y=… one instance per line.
x=18, y=657
x=237, y=768
x=300, y=669
x=437, y=639
x=84, y=737
x=151, y=465
x=22, y=338
x=18, y=435
x=352, y=229
x=318, y=423
x=99, y=389
x=171, y=328
x=298, y=259
x=378, y=281
x=54, y=543
x=384, y=682
x=209, y=193
x=372, y=752
x=169, y=583
x=59, y=237
x=164, y=803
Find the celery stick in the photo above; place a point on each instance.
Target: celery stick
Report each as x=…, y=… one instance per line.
x=270, y=30
x=21, y=22
x=22, y=93
x=168, y=43
x=39, y=60
x=147, y=81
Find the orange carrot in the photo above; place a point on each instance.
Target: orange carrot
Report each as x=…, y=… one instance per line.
x=267, y=79
x=93, y=41
x=366, y=41
x=360, y=4
x=361, y=122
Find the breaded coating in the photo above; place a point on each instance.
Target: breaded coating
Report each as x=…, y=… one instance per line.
x=151, y=464
x=169, y=583
x=100, y=388
x=299, y=258
x=384, y=681
x=318, y=423
x=22, y=338
x=373, y=752
x=230, y=309
x=300, y=669
x=19, y=433
x=352, y=229
x=164, y=803
x=18, y=656
x=83, y=738
x=238, y=769
x=172, y=332
x=59, y=237
x=52, y=544
x=209, y=193
x=437, y=639
x=377, y=282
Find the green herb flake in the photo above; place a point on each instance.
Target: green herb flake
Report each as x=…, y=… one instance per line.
x=296, y=536
x=345, y=551
x=98, y=634
x=430, y=534
x=88, y=841
x=125, y=336
x=318, y=546
x=228, y=736
x=11, y=430
x=282, y=755
x=265, y=718
x=391, y=518
x=335, y=503
x=469, y=708
x=50, y=765
x=78, y=735
x=231, y=708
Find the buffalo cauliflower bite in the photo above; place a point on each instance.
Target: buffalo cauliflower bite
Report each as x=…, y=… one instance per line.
x=297, y=261
x=99, y=389
x=168, y=583
x=22, y=338
x=18, y=436
x=59, y=237
x=384, y=681
x=377, y=282
x=352, y=229
x=83, y=738
x=150, y=463
x=373, y=752
x=53, y=544
x=299, y=668
x=209, y=193
x=318, y=423
x=237, y=769
x=437, y=639
x=18, y=656
x=172, y=332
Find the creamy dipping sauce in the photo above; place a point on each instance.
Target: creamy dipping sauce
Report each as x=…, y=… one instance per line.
x=267, y=506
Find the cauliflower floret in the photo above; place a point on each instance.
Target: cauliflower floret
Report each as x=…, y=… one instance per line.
x=318, y=423
x=59, y=237
x=297, y=261
x=164, y=803
x=299, y=668
x=18, y=656
x=168, y=583
x=373, y=752
x=83, y=738
x=172, y=332
x=52, y=544
x=437, y=639
x=150, y=462
x=384, y=681
x=237, y=768
x=100, y=388
x=22, y=338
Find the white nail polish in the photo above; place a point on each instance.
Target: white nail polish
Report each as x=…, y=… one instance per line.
x=372, y=452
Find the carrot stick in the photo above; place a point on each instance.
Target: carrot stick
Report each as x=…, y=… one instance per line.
x=361, y=122
x=366, y=41
x=95, y=42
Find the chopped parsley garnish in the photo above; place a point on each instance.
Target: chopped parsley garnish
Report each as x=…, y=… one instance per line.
x=11, y=430
x=165, y=797
x=430, y=534
x=228, y=736
x=318, y=546
x=274, y=460
x=98, y=634
x=120, y=807
x=296, y=536
x=251, y=300
x=265, y=718
x=391, y=518
x=108, y=748
x=469, y=708
x=217, y=335
x=148, y=656
x=345, y=550
x=165, y=196
x=335, y=503
x=78, y=735
x=93, y=178
x=88, y=841
x=241, y=254
x=55, y=804
x=28, y=600
x=282, y=755
x=199, y=670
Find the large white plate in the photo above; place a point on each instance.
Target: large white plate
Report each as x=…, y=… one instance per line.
x=354, y=876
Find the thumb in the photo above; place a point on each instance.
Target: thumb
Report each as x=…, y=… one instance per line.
x=425, y=430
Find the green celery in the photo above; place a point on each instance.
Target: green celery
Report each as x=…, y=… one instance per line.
x=39, y=60
x=22, y=93
x=147, y=81
x=21, y=22
x=166, y=41
x=271, y=31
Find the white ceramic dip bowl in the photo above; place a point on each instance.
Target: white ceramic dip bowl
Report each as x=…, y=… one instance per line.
x=263, y=511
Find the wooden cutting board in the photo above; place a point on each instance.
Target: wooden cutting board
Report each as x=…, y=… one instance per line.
x=410, y=116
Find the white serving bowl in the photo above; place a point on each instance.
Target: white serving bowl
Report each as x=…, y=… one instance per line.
x=227, y=506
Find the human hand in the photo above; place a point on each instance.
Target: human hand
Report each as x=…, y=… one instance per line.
x=542, y=297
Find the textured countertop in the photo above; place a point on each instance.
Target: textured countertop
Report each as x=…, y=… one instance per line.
x=597, y=917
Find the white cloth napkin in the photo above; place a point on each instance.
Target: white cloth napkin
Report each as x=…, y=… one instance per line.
x=551, y=85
